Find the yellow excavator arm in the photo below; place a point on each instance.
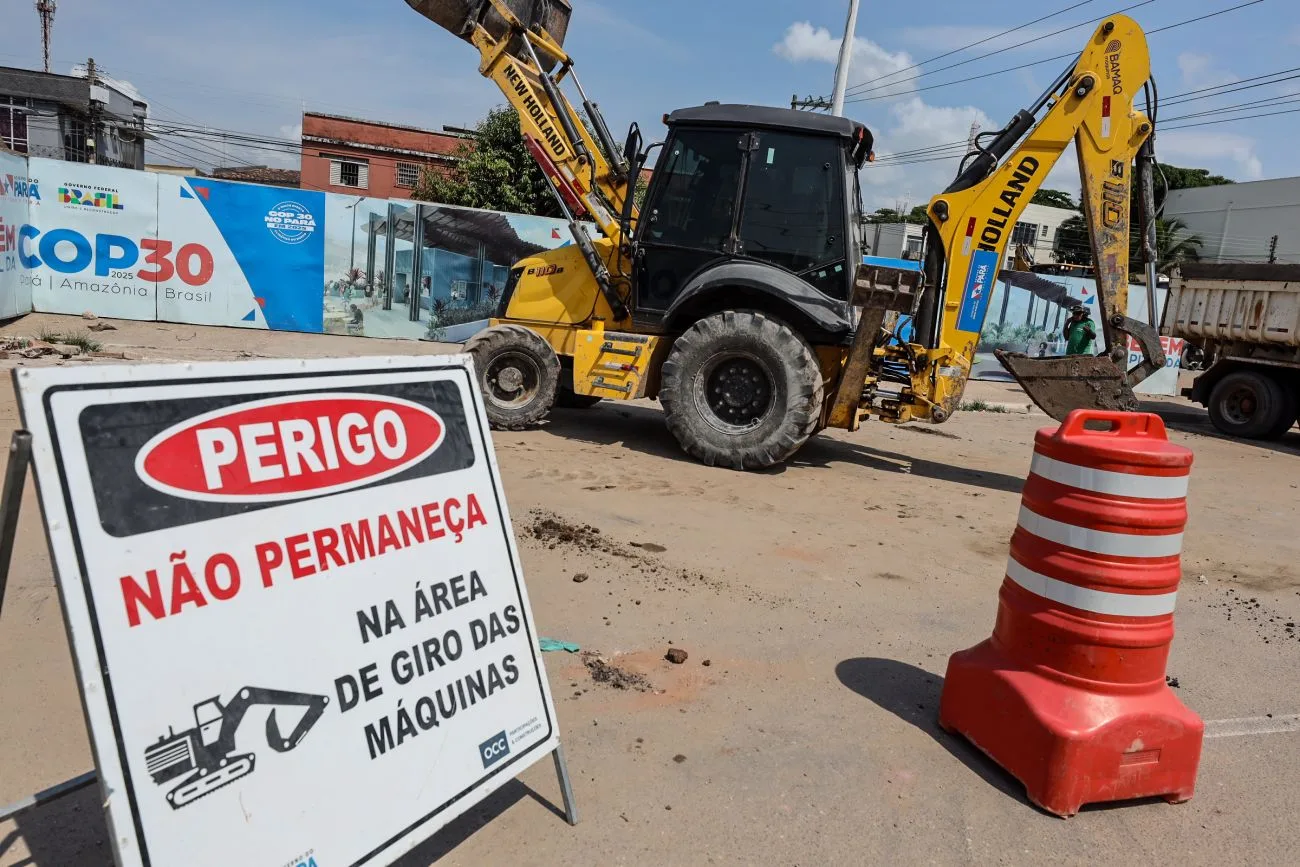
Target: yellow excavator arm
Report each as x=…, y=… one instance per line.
x=520, y=44
x=1093, y=106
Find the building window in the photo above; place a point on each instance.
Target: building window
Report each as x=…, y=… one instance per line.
x=1024, y=233
x=76, y=140
x=407, y=174
x=13, y=123
x=1042, y=232
x=912, y=248
x=349, y=173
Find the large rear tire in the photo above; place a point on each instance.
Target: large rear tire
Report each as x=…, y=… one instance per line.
x=741, y=389
x=1290, y=409
x=517, y=374
x=1248, y=404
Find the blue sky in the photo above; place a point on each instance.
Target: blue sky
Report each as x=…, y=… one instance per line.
x=253, y=66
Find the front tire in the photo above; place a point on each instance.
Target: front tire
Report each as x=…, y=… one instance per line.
x=517, y=373
x=1248, y=404
x=741, y=390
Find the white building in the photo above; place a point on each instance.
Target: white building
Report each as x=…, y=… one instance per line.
x=1239, y=222
x=1036, y=229
x=894, y=240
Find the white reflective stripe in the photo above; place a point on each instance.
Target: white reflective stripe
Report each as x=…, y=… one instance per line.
x=1096, y=601
x=1099, y=541
x=1107, y=482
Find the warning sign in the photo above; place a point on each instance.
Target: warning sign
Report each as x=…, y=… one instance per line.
x=295, y=603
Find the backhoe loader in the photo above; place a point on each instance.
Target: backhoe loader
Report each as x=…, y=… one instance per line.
x=737, y=295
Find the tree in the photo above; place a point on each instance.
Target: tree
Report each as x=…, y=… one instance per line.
x=884, y=215
x=1175, y=244
x=494, y=171
x=892, y=215
x=1072, y=245
x=1054, y=199
x=919, y=215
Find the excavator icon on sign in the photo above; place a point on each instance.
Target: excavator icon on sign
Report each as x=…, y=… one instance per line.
x=203, y=758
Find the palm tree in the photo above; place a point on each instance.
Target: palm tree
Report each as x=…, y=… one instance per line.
x=1175, y=244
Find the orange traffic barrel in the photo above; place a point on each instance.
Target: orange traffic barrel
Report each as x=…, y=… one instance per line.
x=1069, y=693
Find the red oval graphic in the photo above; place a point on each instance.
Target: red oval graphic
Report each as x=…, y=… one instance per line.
x=289, y=447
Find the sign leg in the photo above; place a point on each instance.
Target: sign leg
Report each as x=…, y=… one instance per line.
x=566, y=787
x=20, y=454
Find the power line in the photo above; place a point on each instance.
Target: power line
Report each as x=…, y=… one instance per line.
x=1071, y=54
x=1017, y=45
x=1244, y=106
x=1229, y=119
x=1233, y=89
x=1179, y=96
x=966, y=47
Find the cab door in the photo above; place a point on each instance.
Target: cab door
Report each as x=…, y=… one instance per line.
x=690, y=213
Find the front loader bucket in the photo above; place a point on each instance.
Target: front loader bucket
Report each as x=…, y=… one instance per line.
x=1060, y=385
x=459, y=16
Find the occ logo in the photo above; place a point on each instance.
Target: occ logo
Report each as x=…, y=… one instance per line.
x=494, y=749
x=290, y=222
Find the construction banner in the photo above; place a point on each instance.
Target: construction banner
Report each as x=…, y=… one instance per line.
x=93, y=244
x=296, y=608
x=17, y=193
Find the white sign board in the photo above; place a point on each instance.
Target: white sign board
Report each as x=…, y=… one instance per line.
x=295, y=603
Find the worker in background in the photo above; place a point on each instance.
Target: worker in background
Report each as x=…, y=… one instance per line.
x=1079, y=331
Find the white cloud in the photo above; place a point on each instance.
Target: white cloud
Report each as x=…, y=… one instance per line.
x=1226, y=153
x=1200, y=70
x=870, y=62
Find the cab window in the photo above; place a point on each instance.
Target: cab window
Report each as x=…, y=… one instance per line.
x=696, y=198
x=794, y=203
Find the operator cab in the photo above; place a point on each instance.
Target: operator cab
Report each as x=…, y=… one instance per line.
x=771, y=187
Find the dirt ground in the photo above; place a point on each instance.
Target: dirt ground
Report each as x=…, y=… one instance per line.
x=817, y=603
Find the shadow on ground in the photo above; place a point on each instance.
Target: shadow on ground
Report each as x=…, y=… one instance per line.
x=1191, y=418
x=67, y=832
x=642, y=429
x=71, y=831
x=479, y=816
x=912, y=695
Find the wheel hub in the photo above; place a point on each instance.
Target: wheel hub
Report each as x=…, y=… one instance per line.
x=1240, y=406
x=510, y=379
x=738, y=391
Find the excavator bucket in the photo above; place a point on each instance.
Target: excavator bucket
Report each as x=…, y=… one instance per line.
x=1060, y=385
x=460, y=16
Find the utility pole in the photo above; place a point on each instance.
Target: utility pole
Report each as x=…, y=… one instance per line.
x=846, y=54
x=45, y=9
x=93, y=137
x=1272, y=250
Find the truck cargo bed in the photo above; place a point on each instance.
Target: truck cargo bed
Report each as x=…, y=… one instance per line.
x=1229, y=302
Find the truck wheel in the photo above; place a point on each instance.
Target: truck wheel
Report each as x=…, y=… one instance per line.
x=741, y=390
x=1247, y=404
x=517, y=374
x=1290, y=409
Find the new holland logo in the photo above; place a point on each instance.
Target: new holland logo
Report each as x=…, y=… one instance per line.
x=287, y=448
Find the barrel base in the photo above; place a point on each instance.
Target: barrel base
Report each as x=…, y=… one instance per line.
x=1070, y=745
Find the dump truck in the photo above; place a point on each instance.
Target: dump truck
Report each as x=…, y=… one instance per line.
x=1245, y=321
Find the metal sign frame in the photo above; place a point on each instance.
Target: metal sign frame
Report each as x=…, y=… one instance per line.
x=21, y=455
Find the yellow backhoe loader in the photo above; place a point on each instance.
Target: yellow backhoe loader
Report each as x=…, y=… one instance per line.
x=738, y=296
